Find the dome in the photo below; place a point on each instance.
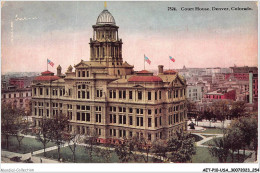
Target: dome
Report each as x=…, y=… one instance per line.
x=105, y=17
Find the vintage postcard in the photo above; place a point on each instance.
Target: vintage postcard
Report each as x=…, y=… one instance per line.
x=160, y=85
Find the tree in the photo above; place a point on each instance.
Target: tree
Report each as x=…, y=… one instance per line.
x=248, y=126
x=44, y=133
x=208, y=114
x=237, y=109
x=74, y=139
x=144, y=145
x=127, y=151
x=105, y=152
x=11, y=122
x=220, y=109
x=220, y=148
x=90, y=140
x=58, y=125
x=181, y=147
x=159, y=148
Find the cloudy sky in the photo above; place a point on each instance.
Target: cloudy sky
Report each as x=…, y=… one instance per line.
x=60, y=31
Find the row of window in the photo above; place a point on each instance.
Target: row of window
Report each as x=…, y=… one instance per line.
x=122, y=95
x=83, y=73
x=16, y=95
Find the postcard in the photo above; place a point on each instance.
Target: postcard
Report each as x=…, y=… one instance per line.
x=129, y=86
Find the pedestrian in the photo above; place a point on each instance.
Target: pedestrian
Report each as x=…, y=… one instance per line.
x=41, y=160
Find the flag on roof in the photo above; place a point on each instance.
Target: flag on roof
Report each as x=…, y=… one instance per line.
x=172, y=59
x=50, y=62
x=147, y=59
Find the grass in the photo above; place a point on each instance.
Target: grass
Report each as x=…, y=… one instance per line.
x=203, y=156
x=196, y=137
x=210, y=142
x=81, y=156
x=213, y=131
x=27, y=145
x=207, y=136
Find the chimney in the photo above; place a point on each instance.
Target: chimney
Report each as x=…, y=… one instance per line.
x=59, y=70
x=160, y=69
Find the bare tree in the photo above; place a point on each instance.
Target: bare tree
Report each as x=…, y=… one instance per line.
x=74, y=139
x=91, y=141
x=58, y=130
x=44, y=133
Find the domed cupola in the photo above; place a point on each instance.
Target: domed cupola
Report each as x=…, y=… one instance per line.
x=105, y=17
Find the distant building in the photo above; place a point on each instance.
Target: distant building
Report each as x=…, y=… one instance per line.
x=194, y=92
x=221, y=94
x=20, y=97
x=21, y=82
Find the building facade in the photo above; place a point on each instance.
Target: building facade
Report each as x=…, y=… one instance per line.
x=18, y=97
x=107, y=96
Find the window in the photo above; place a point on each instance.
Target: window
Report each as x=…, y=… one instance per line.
x=155, y=95
x=149, y=95
x=149, y=122
x=114, y=94
x=160, y=120
x=40, y=91
x=47, y=92
x=130, y=95
x=149, y=111
x=83, y=117
x=160, y=94
x=88, y=116
x=87, y=73
x=142, y=121
x=83, y=73
x=124, y=94
x=155, y=122
x=110, y=94
x=137, y=121
x=114, y=132
x=34, y=93
x=124, y=119
x=120, y=94
x=114, y=116
x=155, y=111
x=130, y=120
x=78, y=73
x=111, y=118
x=149, y=137
x=130, y=110
x=78, y=116
x=139, y=95
x=83, y=94
x=120, y=119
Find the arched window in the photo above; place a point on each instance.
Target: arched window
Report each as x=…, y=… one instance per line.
x=118, y=72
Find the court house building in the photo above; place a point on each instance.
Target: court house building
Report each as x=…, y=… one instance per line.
x=106, y=95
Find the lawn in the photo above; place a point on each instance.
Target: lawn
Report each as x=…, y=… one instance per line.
x=213, y=131
x=81, y=156
x=27, y=145
x=210, y=142
x=203, y=156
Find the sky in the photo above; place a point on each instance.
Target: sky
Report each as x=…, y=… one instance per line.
x=33, y=31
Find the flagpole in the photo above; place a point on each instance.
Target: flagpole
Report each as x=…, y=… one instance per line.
x=144, y=62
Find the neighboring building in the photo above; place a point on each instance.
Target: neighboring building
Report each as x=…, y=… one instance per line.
x=229, y=94
x=106, y=95
x=194, y=92
x=21, y=82
x=255, y=87
x=18, y=97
